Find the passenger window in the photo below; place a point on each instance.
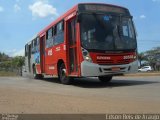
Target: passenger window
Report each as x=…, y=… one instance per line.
x=49, y=38
x=35, y=42
x=49, y=34
x=60, y=27
x=35, y=45
x=54, y=30
x=38, y=47
x=59, y=36
x=26, y=50
x=32, y=47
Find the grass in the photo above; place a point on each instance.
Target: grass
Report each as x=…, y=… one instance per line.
x=7, y=73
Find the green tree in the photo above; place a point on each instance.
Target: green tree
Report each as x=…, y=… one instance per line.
x=4, y=57
x=141, y=57
x=18, y=63
x=153, y=57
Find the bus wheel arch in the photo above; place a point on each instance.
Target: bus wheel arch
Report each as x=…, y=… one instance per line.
x=34, y=71
x=35, y=75
x=61, y=69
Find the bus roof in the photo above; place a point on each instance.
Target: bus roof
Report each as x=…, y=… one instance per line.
x=30, y=40
x=74, y=8
x=58, y=19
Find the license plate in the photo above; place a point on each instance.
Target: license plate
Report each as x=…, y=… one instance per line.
x=115, y=69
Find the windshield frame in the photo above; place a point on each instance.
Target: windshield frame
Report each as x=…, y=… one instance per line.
x=109, y=14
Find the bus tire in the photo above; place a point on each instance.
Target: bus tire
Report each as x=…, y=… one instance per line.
x=35, y=75
x=105, y=79
x=64, y=79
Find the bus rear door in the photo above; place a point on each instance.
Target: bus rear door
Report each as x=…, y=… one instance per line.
x=42, y=53
x=29, y=57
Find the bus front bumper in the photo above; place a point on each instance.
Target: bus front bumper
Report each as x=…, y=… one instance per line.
x=93, y=70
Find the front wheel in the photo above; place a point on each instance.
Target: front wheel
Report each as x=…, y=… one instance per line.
x=105, y=79
x=62, y=75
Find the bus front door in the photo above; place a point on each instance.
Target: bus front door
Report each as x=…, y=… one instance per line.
x=72, y=46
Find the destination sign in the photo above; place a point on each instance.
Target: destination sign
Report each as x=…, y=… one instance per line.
x=102, y=8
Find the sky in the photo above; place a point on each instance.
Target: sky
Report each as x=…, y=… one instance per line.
x=20, y=20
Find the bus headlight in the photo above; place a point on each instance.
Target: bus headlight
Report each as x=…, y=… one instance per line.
x=86, y=55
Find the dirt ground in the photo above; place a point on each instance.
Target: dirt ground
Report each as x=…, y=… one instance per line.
x=122, y=95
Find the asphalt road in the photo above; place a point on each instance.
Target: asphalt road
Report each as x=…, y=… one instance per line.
x=87, y=95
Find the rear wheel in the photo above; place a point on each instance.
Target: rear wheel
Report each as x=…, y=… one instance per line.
x=62, y=75
x=35, y=75
x=105, y=79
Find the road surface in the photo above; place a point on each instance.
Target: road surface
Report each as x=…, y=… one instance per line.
x=87, y=95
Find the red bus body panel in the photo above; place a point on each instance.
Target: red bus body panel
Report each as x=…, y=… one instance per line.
x=58, y=52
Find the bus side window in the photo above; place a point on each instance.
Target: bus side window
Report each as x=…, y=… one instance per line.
x=26, y=50
x=32, y=47
x=59, y=37
x=38, y=47
x=35, y=45
x=49, y=38
x=60, y=27
x=49, y=34
x=54, y=30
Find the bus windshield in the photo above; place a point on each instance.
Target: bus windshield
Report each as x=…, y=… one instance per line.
x=107, y=32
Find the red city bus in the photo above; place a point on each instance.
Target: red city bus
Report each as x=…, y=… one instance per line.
x=89, y=40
